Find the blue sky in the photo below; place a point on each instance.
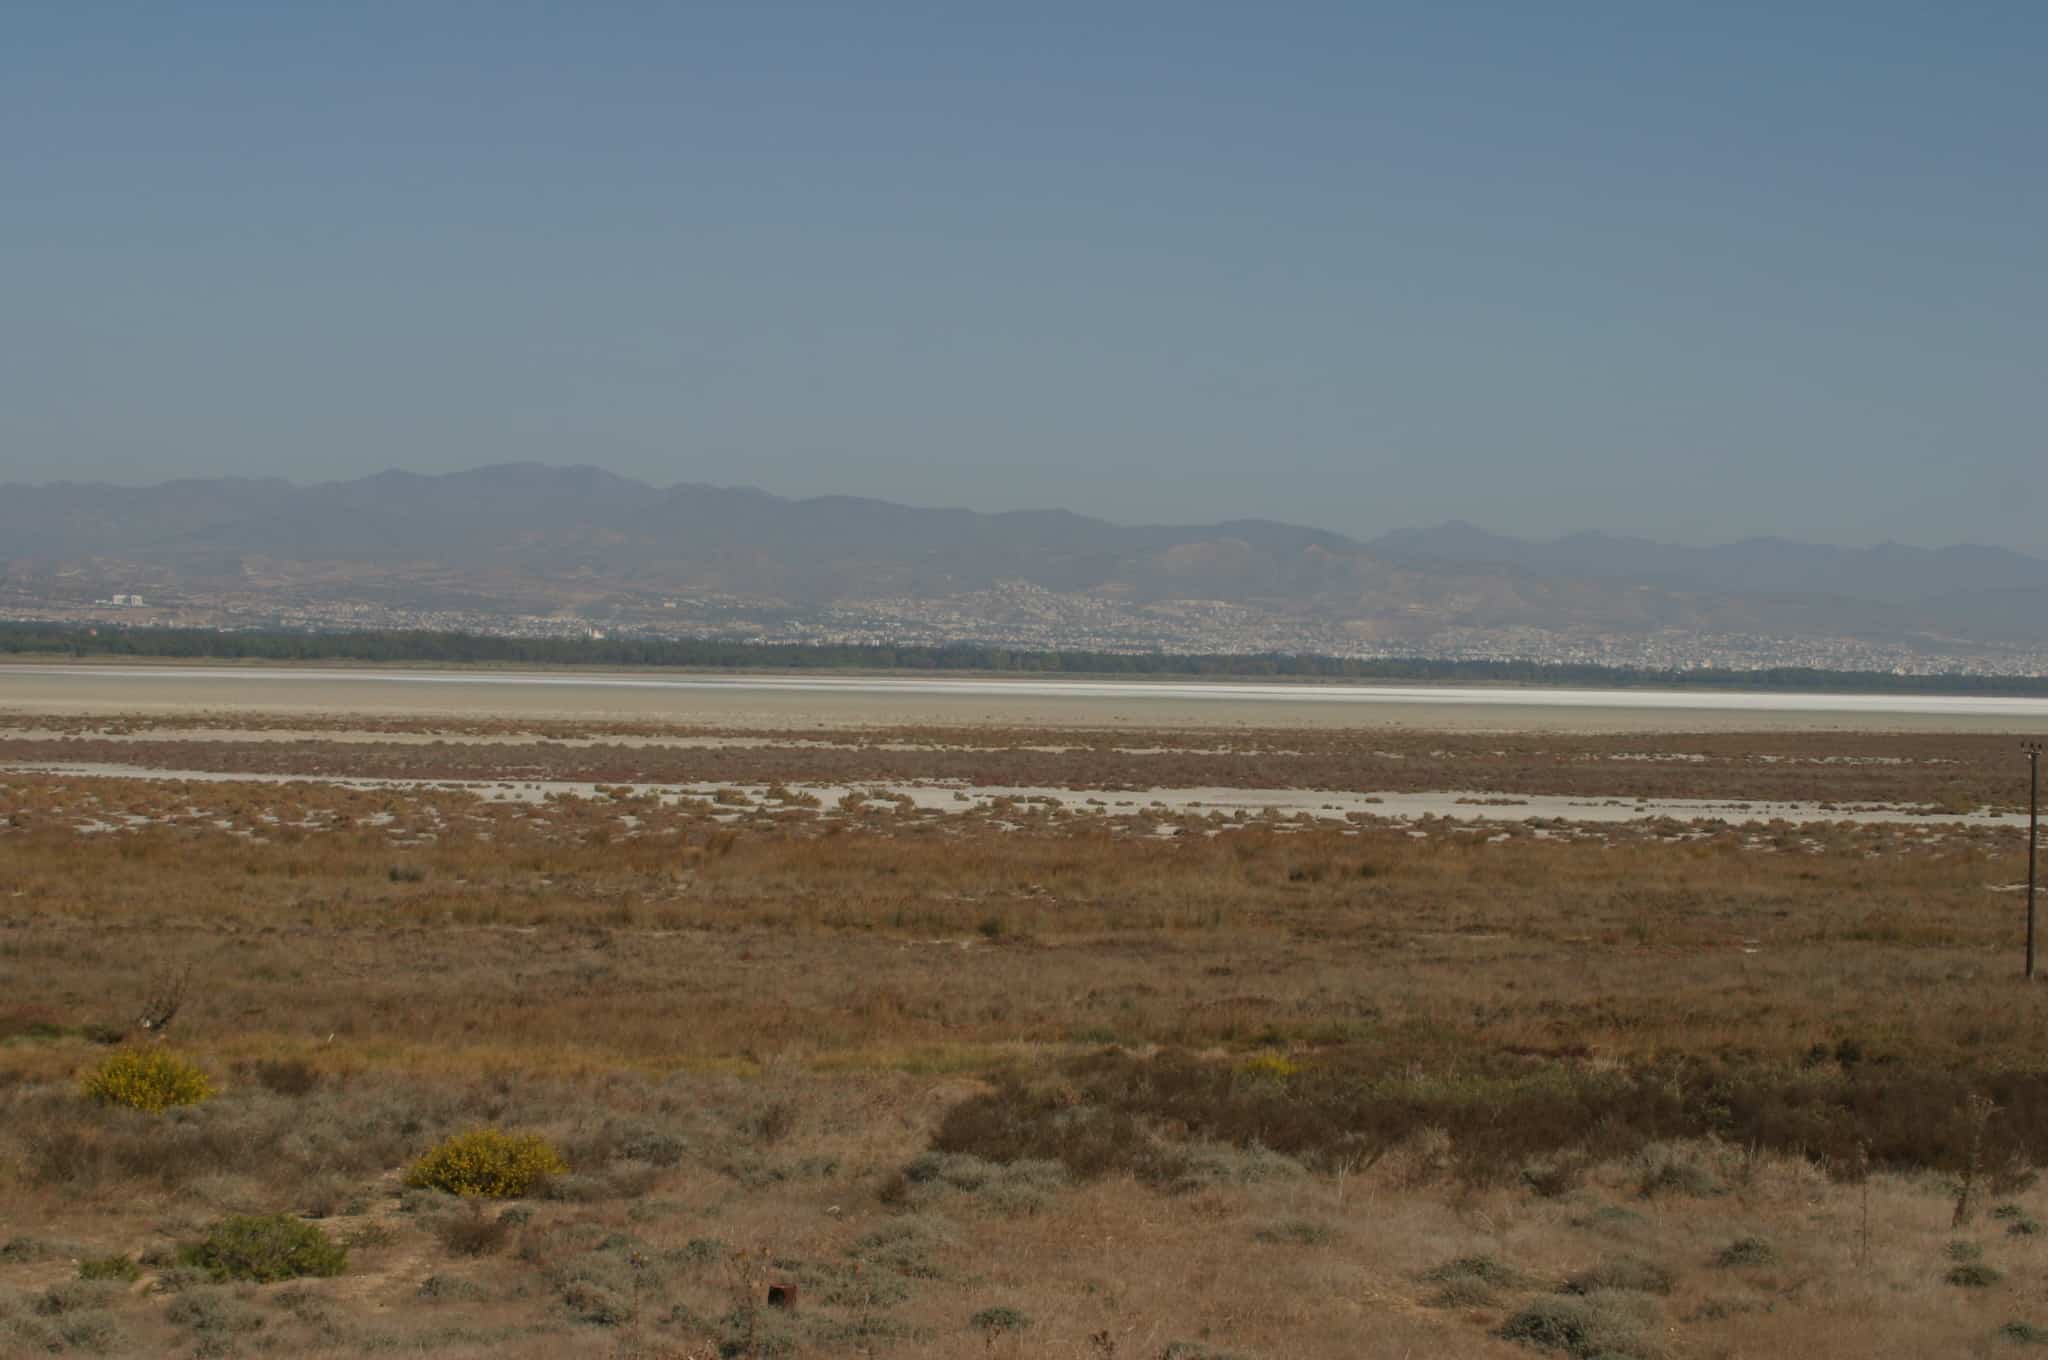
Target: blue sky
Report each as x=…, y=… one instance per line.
x=1695, y=271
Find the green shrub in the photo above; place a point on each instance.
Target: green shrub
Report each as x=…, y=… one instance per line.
x=1463, y=1293
x=2024, y=1333
x=1597, y=1325
x=912, y=1247
x=110, y=1268
x=488, y=1162
x=698, y=1251
x=1610, y=1219
x=597, y=1304
x=1486, y=1270
x=148, y=1079
x=1631, y=1274
x=16, y=1249
x=653, y=1146
x=1719, y=1309
x=1297, y=1232
x=1746, y=1251
x=1000, y=1319
x=1018, y=1189
x=1977, y=1276
x=265, y=1248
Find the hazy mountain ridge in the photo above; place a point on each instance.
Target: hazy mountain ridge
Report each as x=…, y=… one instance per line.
x=1887, y=571
x=540, y=534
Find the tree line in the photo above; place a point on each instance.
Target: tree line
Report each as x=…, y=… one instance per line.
x=395, y=645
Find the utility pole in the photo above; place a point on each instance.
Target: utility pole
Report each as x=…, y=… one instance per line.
x=2033, y=750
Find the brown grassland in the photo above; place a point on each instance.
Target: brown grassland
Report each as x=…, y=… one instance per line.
x=1025, y=1079
x=1952, y=772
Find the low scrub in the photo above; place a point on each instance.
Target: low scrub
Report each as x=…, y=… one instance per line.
x=1486, y=1270
x=1471, y=1282
x=473, y=1233
x=1001, y=1318
x=76, y=1296
x=214, y=1316
x=1673, y=1176
x=265, y=1248
x=1746, y=1251
x=1463, y=1294
x=122, y=1268
x=1596, y=1325
x=1975, y=1275
x=489, y=1163
x=1297, y=1232
x=148, y=1079
x=1555, y=1177
x=1119, y=1113
x=1627, y=1274
x=910, y=1248
x=287, y=1076
x=1018, y=1188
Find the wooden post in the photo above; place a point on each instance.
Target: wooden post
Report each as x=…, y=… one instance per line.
x=2033, y=750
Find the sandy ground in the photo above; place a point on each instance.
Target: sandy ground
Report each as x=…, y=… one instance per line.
x=786, y=700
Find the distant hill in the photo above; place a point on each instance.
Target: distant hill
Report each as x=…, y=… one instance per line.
x=1889, y=571
x=1967, y=590
x=533, y=536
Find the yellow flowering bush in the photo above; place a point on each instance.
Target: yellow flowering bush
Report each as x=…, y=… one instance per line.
x=146, y=1079
x=1270, y=1066
x=487, y=1162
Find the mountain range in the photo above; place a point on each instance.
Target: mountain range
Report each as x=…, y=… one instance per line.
x=531, y=537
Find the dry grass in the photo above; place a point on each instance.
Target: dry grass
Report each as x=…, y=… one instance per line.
x=1018, y=1082
x=884, y=937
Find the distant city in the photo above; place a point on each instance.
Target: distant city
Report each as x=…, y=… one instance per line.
x=1029, y=618
x=534, y=551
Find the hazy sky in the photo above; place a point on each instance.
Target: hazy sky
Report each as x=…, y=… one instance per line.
x=1693, y=270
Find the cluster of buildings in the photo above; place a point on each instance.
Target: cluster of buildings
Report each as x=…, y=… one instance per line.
x=1024, y=617
x=1685, y=651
